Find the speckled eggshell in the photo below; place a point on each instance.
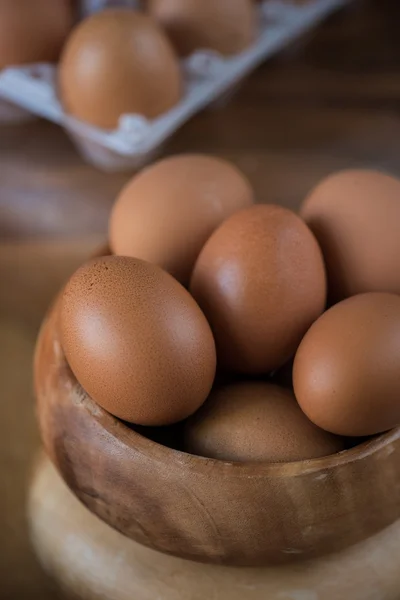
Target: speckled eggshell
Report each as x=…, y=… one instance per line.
x=117, y=62
x=260, y=280
x=256, y=421
x=167, y=212
x=347, y=369
x=355, y=216
x=226, y=26
x=136, y=341
x=33, y=30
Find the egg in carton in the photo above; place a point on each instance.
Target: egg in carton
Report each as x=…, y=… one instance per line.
x=40, y=28
x=209, y=79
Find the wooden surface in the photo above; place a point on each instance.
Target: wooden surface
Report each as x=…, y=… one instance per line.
x=91, y=561
x=330, y=101
x=205, y=510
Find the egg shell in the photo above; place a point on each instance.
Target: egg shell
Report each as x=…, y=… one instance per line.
x=136, y=341
x=346, y=372
x=167, y=212
x=260, y=280
x=118, y=62
x=256, y=421
x=33, y=31
x=355, y=216
x=226, y=26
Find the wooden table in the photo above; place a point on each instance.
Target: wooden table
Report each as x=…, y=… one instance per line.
x=329, y=102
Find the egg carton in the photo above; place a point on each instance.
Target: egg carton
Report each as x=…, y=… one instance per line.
x=87, y=7
x=208, y=77
x=11, y=114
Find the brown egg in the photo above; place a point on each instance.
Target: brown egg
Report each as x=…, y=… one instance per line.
x=118, y=62
x=347, y=369
x=33, y=30
x=136, y=341
x=226, y=26
x=167, y=212
x=355, y=216
x=260, y=281
x=256, y=421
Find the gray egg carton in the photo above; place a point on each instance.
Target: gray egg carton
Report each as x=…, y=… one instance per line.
x=32, y=89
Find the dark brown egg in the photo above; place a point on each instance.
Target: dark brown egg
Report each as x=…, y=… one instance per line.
x=33, y=30
x=260, y=281
x=118, y=62
x=136, y=341
x=347, y=369
x=355, y=216
x=227, y=26
x=166, y=213
x=255, y=421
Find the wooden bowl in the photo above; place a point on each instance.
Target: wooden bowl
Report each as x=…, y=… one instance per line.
x=207, y=510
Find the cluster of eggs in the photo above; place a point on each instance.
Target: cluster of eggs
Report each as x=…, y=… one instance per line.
x=208, y=302
x=121, y=61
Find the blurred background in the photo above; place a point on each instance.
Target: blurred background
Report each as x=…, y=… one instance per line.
x=329, y=101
